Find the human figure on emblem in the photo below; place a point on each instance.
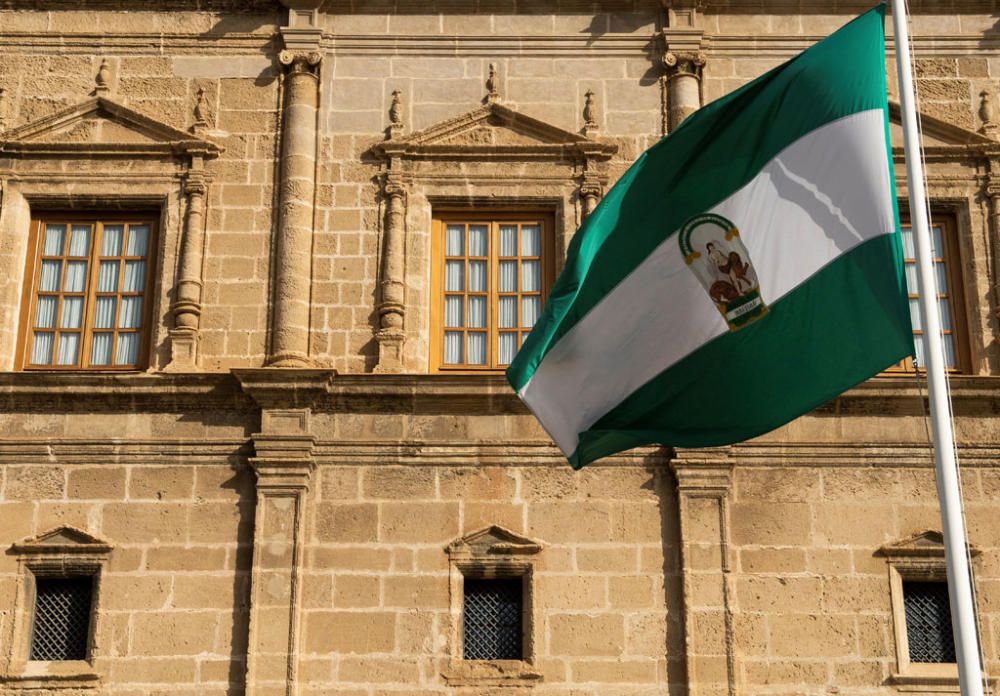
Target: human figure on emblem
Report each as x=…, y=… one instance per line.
x=734, y=276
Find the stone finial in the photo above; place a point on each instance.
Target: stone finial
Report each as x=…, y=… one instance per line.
x=103, y=77
x=987, y=114
x=395, y=115
x=492, y=95
x=589, y=115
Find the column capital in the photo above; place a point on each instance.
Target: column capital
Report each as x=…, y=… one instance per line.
x=300, y=61
x=684, y=63
x=707, y=475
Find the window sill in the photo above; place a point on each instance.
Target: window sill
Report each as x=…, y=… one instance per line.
x=930, y=679
x=491, y=673
x=68, y=674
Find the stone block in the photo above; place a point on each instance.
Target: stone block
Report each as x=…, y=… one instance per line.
x=349, y=631
x=16, y=521
x=558, y=522
x=356, y=591
x=134, y=593
x=34, y=483
x=210, y=521
x=578, y=593
x=147, y=523
x=175, y=632
x=632, y=592
x=378, y=670
x=424, y=523
x=861, y=594
x=416, y=592
x=770, y=524
x=615, y=559
x=204, y=591
x=863, y=524
x=161, y=482
x=345, y=522
x=339, y=483
x=627, y=671
x=92, y=483
x=399, y=482
x=807, y=635
x=787, y=594
x=548, y=483
x=944, y=90
x=784, y=484
x=477, y=483
x=774, y=560
x=586, y=635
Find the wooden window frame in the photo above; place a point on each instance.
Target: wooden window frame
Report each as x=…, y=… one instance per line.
x=29, y=304
x=948, y=223
x=493, y=218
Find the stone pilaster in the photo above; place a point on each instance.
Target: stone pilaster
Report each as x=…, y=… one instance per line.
x=187, y=300
x=992, y=191
x=590, y=195
x=391, y=308
x=296, y=191
x=682, y=61
x=703, y=486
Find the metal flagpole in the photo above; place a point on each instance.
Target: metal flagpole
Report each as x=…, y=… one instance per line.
x=953, y=525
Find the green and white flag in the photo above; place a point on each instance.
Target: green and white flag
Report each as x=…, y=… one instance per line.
x=743, y=271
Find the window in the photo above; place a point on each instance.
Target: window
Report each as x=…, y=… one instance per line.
x=928, y=621
x=87, y=297
x=61, y=625
x=492, y=619
x=490, y=277
x=949, y=286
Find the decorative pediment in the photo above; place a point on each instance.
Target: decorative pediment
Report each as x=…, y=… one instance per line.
x=926, y=544
x=495, y=130
x=101, y=126
x=494, y=540
x=62, y=540
x=937, y=135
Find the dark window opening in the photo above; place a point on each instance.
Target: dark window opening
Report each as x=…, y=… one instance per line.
x=928, y=622
x=61, y=626
x=492, y=617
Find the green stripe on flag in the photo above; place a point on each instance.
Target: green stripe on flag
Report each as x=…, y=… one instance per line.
x=711, y=155
x=745, y=383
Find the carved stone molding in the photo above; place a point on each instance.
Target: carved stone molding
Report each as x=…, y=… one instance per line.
x=684, y=63
x=301, y=62
x=591, y=190
x=992, y=191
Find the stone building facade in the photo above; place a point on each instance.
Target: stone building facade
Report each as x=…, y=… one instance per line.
x=270, y=464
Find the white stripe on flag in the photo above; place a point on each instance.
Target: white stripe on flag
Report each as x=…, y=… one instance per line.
x=822, y=196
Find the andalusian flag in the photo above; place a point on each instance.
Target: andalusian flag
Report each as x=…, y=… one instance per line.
x=743, y=271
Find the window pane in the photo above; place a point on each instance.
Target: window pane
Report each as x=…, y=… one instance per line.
x=41, y=351
x=76, y=276
x=508, y=240
x=54, y=235
x=915, y=314
x=908, y=251
x=111, y=242
x=138, y=240
x=928, y=622
x=61, y=626
x=937, y=243
x=477, y=276
x=477, y=240
x=508, y=312
x=135, y=276
x=477, y=348
x=531, y=276
x=949, y=350
x=72, y=313
x=101, y=353
x=107, y=280
x=508, y=276
x=454, y=275
x=48, y=281
x=941, y=278
x=911, y=278
x=453, y=310
x=531, y=240
x=492, y=626
x=130, y=314
x=507, y=347
x=918, y=351
x=477, y=312
x=104, y=313
x=455, y=243
x=79, y=240
x=69, y=344
x=530, y=308
x=945, y=312
x=128, y=349
x=45, y=313
x=453, y=347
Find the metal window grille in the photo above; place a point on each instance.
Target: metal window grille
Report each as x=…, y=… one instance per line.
x=62, y=618
x=928, y=622
x=492, y=617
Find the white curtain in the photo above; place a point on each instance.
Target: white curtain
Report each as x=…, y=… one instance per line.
x=45, y=313
x=454, y=276
x=937, y=243
x=477, y=240
x=69, y=344
x=477, y=276
x=135, y=276
x=107, y=276
x=530, y=307
x=508, y=312
x=453, y=347
x=477, y=348
x=531, y=276
x=41, y=351
x=72, y=313
x=53, y=245
x=101, y=353
x=531, y=240
x=130, y=314
x=508, y=276
x=111, y=242
x=128, y=349
x=138, y=240
x=454, y=242
x=104, y=313
x=76, y=276
x=508, y=240
x=507, y=347
x=477, y=312
x=49, y=279
x=79, y=240
x=453, y=310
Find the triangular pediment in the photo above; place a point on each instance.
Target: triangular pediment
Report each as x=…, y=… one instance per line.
x=935, y=132
x=100, y=125
x=494, y=128
x=494, y=540
x=64, y=539
x=926, y=544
